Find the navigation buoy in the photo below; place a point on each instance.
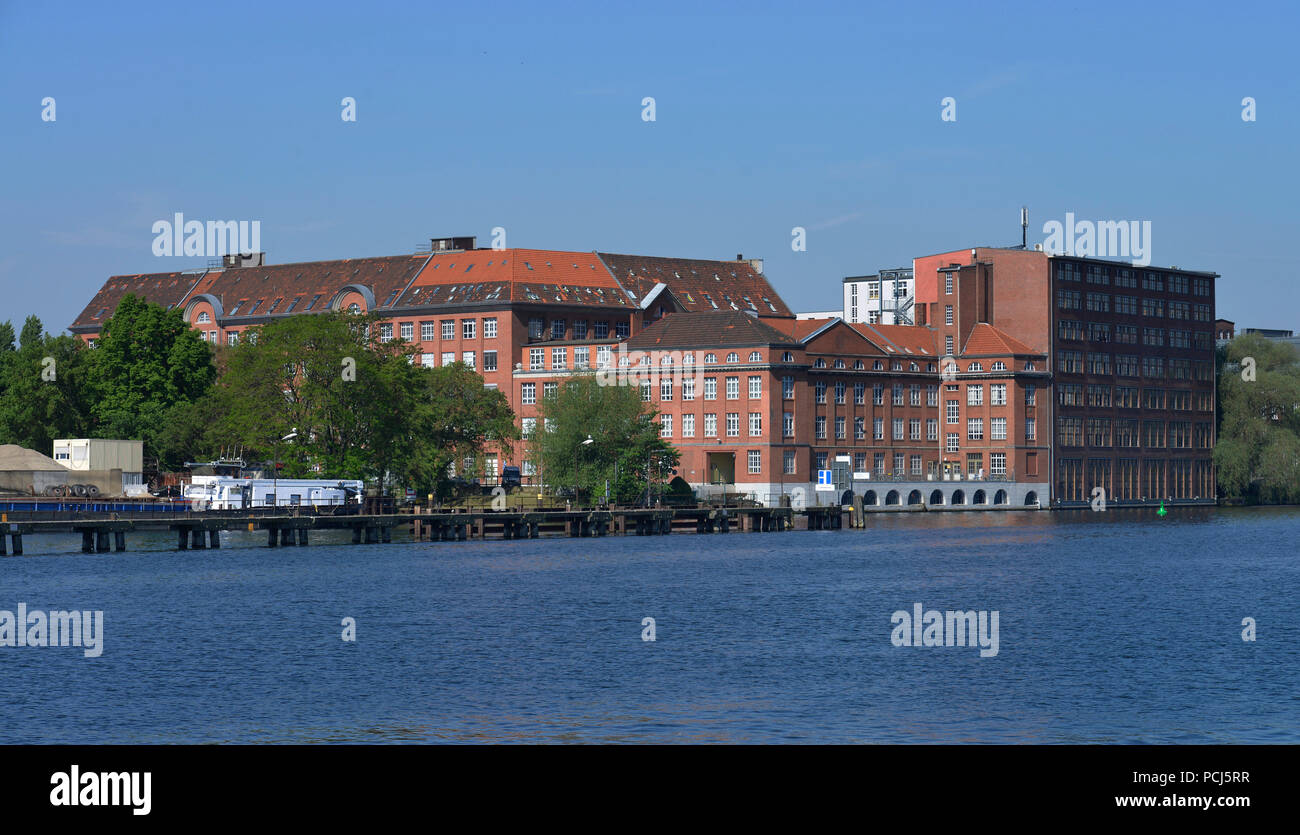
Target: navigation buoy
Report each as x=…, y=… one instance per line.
x=1161, y=511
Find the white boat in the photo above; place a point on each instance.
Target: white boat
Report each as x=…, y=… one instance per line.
x=214, y=492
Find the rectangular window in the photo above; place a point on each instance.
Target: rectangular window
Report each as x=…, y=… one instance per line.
x=788, y=459
x=711, y=426
x=665, y=426
x=755, y=388
x=688, y=388
x=579, y=329
x=819, y=392
x=1031, y=430
x=468, y=358
x=604, y=356
x=914, y=395
x=914, y=429
x=898, y=429
x=819, y=426
x=600, y=330
x=975, y=395
x=998, y=429
x=710, y=388
x=666, y=390
x=859, y=393
x=932, y=395
x=528, y=394
x=688, y=426
x=997, y=463
x=408, y=331
x=787, y=425
x=557, y=328
x=448, y=329
x=550, y=389
x=528, y=425
x=489, y=360
x=916, y=465
x=559, y=358
x=998, y=394
x=954, y=411
x=448, y=357
x=947, y=284
x=733, y=424
x=840, y=428
x=647, y=394
x=427, y=331
x=947, y=314
x=953, y=442
x=975, y=429
x=947, y=345
x=839, y=392
x=860, y=428
x=932, y=429
x=536, y=359
x=621, y=330
x=898, y=463
x=898, y=394
x=582, y=357
x=386, y=332
x=755, y=424
x=878, y=395
x=878, y=429
x=755, y=461
x=787, y=388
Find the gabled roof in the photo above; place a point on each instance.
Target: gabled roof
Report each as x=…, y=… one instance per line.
x=699, y=285
x=904, y=340
x=166, y=289
x=986, y=339
x=719, y=329
x=514, y=275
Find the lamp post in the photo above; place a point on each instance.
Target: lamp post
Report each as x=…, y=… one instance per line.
x=576, y=450
x=275, y=467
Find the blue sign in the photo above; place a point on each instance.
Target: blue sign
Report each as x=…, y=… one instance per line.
x=824, y=477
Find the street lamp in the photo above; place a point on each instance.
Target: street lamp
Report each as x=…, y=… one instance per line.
x=576, y=450
x=275, y=466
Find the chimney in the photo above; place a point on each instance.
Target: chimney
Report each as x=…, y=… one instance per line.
x=454, y=244
x=235, y=261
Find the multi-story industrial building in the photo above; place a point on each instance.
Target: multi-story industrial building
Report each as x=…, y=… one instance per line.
x=1026, y=376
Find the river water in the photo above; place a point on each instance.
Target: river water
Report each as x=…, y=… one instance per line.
x=1112, y=627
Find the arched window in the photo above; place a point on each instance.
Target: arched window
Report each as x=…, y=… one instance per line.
x=755, y=356
x=898, y=366
x=710, y=357
x=839, y=363
x=929, y=366
x=788, y=356
x=819, y=363
x=999, y=366
x=975, y=366
x=914, y=367
x=204, y=317
x=354, y=308
x=1029, y=366
x=859, y=365
x=733, y=357
x=666, y=359
x=878, y=366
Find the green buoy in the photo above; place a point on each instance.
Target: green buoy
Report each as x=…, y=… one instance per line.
x=1162, y=512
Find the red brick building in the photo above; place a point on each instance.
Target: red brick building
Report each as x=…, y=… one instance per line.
x=1023, y=378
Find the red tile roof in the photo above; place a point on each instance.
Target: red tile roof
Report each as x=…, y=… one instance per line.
x=166, y=289
x=521, y=276
x=707, y=330
x=986, y=339
x=295, y=285
x=919, y=340
x=699, y=285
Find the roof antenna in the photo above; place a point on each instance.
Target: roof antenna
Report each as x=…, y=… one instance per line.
x=1024, y=227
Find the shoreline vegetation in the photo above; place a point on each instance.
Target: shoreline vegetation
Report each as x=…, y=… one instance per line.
x=364, y=407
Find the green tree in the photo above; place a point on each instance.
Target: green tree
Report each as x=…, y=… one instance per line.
x=1257, y=454
x=625, y=450
x=149, y=365
x=360, y=406
x=45, y=386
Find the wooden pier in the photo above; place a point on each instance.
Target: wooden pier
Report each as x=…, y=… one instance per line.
x=202, y=530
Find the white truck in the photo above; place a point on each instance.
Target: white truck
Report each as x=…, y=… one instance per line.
x=214, y=492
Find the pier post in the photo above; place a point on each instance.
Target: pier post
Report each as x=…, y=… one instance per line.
x=119, y=540
x=18, y=544
x=302, y=536
x=182, y=539
x=371, y=537
x=387, y=533
x=356, y=535
x=533, y=530
x=101, y=541
x=286, y=536
x=87, y=542
x=214, y=539
x=4, y=549
x=417, y=531
x=196, y=541
x=271, y=536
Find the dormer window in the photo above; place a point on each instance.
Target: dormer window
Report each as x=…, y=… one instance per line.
x=877, y=366
x=204, y=318
x=788, y=356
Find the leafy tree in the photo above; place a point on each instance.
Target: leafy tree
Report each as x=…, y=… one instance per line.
x=45, y=384
x=626, y=448
x=148, y=365
x=360, y=406
x=1257, y=454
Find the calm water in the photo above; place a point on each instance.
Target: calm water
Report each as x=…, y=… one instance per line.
x=1115, y=627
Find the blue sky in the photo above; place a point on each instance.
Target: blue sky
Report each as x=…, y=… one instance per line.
x=528, y=116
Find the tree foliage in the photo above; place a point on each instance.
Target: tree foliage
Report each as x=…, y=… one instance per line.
x=1257, y=453
x=46, y=387
x=626, y=448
